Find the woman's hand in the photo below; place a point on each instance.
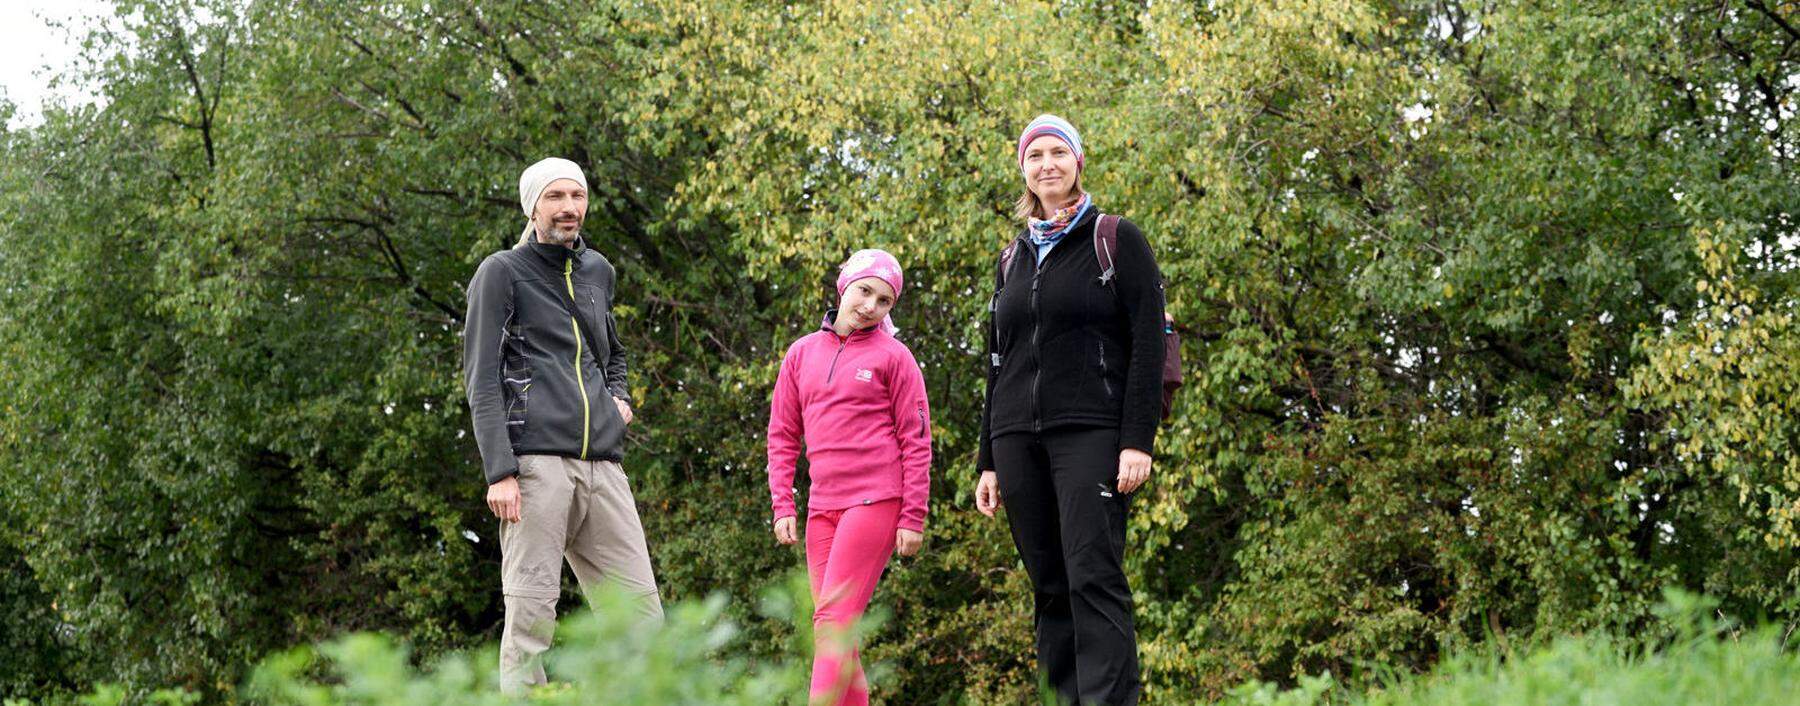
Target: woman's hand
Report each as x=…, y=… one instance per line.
x=1134, y=469
x=987, y=493
x=787, y=530
x=907, y=542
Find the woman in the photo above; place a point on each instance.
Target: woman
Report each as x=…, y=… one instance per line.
x=852, y=395
x=1074, y=395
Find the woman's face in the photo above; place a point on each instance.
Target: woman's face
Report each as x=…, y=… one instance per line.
x=1050, y=171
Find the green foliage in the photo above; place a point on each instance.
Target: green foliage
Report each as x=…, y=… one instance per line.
x=603, y=656
x=1489, y=309
x=1702, y=659
x=696, y=657
x=33, y=657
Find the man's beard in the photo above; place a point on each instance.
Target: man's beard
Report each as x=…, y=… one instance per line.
x=557, y=236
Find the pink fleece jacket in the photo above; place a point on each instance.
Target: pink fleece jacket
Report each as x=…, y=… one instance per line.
x=859, y=406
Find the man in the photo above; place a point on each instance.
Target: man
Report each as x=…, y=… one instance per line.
x=545, y=373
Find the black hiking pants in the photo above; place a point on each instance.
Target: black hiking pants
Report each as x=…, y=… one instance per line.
x=1060, y=490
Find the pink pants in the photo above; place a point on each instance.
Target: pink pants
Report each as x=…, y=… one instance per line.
x=845, y=553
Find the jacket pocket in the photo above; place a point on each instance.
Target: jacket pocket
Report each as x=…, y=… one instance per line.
x=1105, y=371
x=593, y=327
x=515, y=381
x=519, y=401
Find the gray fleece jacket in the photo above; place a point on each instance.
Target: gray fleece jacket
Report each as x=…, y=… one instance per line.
x=542, y=359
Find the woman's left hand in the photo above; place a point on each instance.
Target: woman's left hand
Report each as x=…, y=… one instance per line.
x=1134, y=469
x=907, y=542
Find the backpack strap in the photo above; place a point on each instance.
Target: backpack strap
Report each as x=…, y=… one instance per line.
x=1006, y=259
x=1106, y=241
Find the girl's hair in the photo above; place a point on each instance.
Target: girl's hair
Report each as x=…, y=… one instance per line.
x=1029, y=205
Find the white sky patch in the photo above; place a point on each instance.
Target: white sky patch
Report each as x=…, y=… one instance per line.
x=31, y=52
x=1417, y=118
x=1440, y=27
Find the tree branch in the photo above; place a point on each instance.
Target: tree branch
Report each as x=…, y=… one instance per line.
x=185, y=56
x=1757, y=5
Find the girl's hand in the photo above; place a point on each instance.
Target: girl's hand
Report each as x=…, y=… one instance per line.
x=987, y=493
x=787, y=531
x=1134, y=469
x=907, y=542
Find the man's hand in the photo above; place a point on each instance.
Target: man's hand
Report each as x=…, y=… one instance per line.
x=987, y=493
x=624, y=409
x=503, y=499
x=787, y=531
x=907, y=542
x=1134, y=469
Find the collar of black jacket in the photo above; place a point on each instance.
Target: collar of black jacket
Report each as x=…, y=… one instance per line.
x=555, y=255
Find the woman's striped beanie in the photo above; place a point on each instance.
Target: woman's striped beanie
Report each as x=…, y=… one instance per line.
x=1048, y=124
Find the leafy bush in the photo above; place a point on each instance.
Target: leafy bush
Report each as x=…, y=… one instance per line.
x=602, y=656
x=1695, y=658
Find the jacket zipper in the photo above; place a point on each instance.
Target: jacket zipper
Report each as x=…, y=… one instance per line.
x=924, y=426
x=580, y=381
x=1037, y=362
x=832, y=371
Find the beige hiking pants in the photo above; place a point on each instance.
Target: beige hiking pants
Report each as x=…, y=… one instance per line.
x=579, y=510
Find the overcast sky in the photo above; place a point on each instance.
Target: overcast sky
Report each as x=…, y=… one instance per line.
x=27, y=45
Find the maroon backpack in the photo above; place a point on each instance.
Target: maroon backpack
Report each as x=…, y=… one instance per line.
x=1106, y=240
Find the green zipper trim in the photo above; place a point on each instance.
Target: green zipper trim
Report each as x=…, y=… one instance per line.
x=580, y=382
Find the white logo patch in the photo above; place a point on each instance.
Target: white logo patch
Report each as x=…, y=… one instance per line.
x=865, y=374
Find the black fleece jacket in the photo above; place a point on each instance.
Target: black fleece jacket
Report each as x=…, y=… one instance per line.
x=1065, y=350
x=542, y=358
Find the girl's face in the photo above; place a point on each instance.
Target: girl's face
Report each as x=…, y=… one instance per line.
x=864, y=303
x=1050, y=171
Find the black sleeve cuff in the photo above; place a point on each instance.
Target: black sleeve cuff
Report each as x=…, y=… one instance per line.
x=1141, y=439
x=509, y=473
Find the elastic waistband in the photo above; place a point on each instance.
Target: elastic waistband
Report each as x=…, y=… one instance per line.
x=813, y=511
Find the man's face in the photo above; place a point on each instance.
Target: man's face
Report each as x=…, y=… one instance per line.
x=559, y=213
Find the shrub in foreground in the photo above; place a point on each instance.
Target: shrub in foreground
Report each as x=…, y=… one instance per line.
x=1697, y=659
x=602, y=656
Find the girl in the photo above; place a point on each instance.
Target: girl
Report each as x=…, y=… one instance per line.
x=854, y=396
x=1074, y=393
